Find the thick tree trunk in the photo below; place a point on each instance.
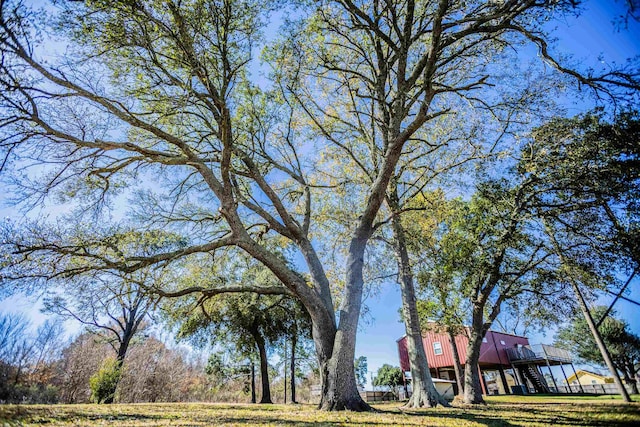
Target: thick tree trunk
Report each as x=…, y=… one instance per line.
x=339, y=387
x=424, y=393
x=630, y=373
x=472, y=386
x=335, y=344
x=457, y=366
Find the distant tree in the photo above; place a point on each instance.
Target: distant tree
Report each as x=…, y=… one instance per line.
x=79, y=361
x=27, y=360
x=293, y=323
x=389, y=376
x=109, y=302
x=15, y=350
x=360, y=365
x=153, y=372
x=623, y=345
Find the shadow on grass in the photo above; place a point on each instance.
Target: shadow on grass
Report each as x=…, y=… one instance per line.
x=491, y=415
x=20, y=414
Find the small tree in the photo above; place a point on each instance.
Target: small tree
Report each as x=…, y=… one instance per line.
x=389, y=376
x=360, y=365
x=27, y=360
x=103, y=383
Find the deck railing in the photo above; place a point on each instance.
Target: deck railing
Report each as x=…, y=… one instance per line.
x=539, y=352
x=589, y=388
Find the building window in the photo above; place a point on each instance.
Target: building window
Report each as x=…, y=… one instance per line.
x=594, y=382
x=484, y=339
x=502, y=342
x=437, y=348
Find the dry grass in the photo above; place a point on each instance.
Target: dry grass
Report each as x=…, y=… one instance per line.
x=499, y=411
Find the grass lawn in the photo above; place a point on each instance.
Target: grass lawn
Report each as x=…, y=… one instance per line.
x=499, y=411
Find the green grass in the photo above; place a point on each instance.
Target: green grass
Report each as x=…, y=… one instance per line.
x=500, y=411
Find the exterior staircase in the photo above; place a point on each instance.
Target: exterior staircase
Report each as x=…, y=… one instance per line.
x=534, y=376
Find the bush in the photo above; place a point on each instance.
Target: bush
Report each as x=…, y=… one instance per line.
x=103, y=383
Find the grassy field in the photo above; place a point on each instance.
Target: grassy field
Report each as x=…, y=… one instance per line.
x=499, y=411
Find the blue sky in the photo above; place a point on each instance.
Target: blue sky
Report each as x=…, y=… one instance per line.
x=593, y=41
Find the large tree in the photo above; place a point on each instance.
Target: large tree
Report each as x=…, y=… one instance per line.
x=161, y=91
x=398, y=70
x=488, y=252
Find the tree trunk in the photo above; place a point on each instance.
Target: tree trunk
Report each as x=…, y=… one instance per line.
x=253, y=382
x=424, y=393
x=628, y=380
x=339, y=387
x=292, y=367
x=457, y=366
x=335, y=343
x=472, y=386
x=111, y=393
x=631, y=373
x=264, y=368
x=120, y=355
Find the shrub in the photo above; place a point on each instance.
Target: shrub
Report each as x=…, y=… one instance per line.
x=103, y=383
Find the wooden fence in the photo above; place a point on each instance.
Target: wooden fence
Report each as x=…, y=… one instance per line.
x=378, y=396
x=589, y=388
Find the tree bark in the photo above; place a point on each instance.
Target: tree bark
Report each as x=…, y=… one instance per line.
x=632, y=375
x=424, y=393
x=253, y=382
x=339, y=387
x=630, y=381
x=457, y=366
x=472, y=386
x=264, y=368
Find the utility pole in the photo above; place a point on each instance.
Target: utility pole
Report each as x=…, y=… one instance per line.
x=590, y=322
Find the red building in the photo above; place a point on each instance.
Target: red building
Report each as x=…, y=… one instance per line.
x=505, y=360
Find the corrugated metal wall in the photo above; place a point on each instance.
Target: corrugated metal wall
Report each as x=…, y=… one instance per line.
x=488, y=353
